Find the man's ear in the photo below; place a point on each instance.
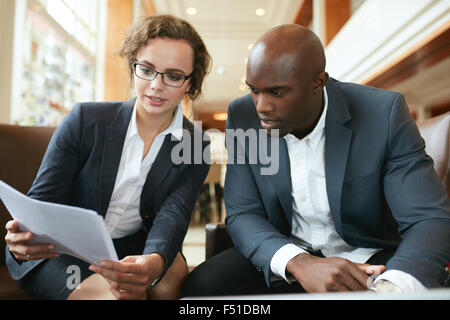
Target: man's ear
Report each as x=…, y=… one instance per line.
x=319, y=81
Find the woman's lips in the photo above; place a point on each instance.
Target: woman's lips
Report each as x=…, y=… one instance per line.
x=155, y=101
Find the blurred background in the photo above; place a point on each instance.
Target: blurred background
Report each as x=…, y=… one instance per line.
x=58, y=52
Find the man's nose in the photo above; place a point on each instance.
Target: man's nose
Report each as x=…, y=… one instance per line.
x=263, y=103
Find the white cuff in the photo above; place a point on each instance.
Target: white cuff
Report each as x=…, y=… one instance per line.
x=405, y=281
x=282, y=257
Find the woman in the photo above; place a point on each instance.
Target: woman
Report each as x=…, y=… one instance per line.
x=116, y=158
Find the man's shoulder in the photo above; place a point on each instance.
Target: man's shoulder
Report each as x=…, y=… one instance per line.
x=354, y=91
x=243, y=111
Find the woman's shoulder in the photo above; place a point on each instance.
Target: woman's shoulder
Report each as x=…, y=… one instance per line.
x=101, y=112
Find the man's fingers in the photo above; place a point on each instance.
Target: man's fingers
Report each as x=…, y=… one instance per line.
x=359, y=281
x=371, y=269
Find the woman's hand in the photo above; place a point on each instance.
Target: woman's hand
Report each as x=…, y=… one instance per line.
x=21, y=249
x=130, y=277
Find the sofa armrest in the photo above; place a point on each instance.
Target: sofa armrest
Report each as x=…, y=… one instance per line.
x=217, y=239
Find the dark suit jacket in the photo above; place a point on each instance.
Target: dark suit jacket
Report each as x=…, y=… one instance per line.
x=382, y=189
x=80, y=168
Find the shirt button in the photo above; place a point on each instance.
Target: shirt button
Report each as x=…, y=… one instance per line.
x=302, y=199
x=122, y=206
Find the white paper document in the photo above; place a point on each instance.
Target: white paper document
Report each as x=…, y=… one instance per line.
x=75, y=231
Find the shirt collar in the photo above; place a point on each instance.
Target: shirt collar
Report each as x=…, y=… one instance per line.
x=175, y=128
x=314, y=136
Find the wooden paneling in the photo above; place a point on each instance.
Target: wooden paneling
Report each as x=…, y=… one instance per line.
x=208, y=122
x=337, y=12
x=427, y=53
x=147, y=8
x=305, y=14
x=119, y=18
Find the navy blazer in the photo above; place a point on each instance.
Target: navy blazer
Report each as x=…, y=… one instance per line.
x=382, y=189
x=80, y=168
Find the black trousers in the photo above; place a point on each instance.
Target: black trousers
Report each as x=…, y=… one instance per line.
x=230, y=273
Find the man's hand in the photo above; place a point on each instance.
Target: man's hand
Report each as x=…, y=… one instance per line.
x=130, y=277
x=331, y=274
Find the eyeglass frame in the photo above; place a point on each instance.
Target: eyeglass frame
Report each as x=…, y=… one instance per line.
x=186, y=77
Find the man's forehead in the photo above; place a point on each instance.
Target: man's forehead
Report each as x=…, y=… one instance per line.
x=276, y=68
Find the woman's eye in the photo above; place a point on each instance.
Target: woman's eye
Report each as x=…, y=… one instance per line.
x=146, y=71
x=174, y=76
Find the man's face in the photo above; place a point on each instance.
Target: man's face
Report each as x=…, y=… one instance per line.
x=282, y=93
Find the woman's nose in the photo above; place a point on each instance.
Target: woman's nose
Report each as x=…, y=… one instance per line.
x=157, y=83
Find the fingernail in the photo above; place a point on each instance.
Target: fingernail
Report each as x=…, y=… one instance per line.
x=51, y=247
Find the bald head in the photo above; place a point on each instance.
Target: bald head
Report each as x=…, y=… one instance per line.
x=290, y=48
x=286, y=76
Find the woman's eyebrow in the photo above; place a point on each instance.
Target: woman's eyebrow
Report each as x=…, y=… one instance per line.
x=166, y=70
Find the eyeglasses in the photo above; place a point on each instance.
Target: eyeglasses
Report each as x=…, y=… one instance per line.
x=171, y=79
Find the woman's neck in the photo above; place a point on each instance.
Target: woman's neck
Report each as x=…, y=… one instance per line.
x=151, y=125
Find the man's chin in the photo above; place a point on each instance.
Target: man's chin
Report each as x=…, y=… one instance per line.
x=276, y=133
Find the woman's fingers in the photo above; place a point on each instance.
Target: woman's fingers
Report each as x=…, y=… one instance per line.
x=33, y=252
x=12, y=226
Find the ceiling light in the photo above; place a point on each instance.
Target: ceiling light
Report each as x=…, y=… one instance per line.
x=191, y=11
x=220, y=116
x=221, y=70
x=260, y=12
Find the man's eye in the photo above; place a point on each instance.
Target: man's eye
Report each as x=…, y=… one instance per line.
x=277, y=92
x=253, y=90
x=174, y=76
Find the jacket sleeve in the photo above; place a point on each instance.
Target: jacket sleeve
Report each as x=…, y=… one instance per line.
x=417, y=199
x=172, y=219
x=247, y=222
x=61, y=161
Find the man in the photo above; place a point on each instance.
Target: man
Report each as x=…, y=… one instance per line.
x=355, y=192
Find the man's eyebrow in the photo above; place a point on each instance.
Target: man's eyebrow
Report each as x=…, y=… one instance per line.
x=267, y=89
x=167, y=70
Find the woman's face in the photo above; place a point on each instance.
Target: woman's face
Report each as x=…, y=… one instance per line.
x=164, y=55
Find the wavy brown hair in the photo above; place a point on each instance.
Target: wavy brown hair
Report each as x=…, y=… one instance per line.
x=167, y=26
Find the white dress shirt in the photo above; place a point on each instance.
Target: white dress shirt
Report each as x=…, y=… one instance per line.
x=312, y=225
x=123, y=215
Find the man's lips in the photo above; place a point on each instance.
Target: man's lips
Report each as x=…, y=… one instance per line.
x=269, y=124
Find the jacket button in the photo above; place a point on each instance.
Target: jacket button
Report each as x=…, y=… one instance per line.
x=146, y=216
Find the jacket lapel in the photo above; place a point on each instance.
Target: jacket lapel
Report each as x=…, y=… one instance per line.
x=338, y=137
x=283, y=183
x=159, y=170
x=112, y=151
x=280, y=182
